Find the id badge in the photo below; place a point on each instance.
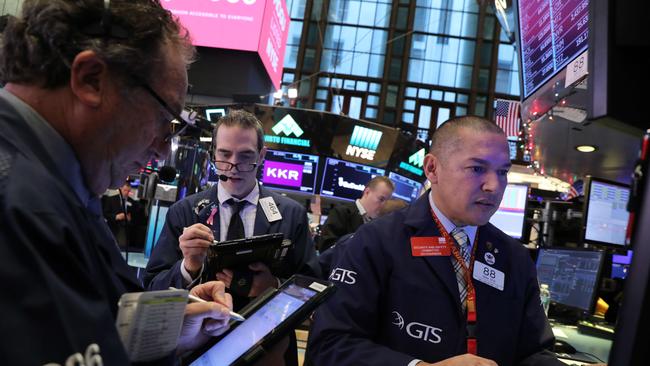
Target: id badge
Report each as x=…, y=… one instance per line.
x=488, y=275
x=429, y=246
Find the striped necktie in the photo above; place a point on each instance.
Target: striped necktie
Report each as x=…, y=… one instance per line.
x=463, y=244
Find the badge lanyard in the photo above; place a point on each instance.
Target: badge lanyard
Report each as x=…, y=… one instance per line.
x=471, y=292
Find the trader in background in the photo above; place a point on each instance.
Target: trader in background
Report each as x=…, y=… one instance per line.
x=344, y=219
x=82, y=107
x=436, y=283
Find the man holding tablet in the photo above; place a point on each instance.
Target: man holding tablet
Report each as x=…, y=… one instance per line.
x=234, y=208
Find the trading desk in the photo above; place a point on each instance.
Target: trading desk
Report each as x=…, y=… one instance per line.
x=585, y=345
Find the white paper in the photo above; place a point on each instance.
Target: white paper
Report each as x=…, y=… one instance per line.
x=149, y=323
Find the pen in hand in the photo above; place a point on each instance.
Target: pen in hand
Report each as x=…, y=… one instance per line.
x=192, y=298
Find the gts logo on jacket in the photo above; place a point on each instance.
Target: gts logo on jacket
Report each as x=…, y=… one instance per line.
x=343, y=275
x=417, y=330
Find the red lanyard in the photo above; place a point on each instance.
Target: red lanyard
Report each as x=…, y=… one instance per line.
x=470, y=301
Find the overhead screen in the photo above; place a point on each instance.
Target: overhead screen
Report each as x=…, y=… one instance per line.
x=260, y=26
x=405, y=189
x=571, y=275
x=509, y=218
x=346, y=180
x=606, y=214
x=290, y=171
x=551, y=34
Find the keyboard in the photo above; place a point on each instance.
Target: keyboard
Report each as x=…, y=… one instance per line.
x=596, y=330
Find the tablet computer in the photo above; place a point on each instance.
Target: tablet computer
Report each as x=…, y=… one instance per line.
x=269, y=249
x=268, y=318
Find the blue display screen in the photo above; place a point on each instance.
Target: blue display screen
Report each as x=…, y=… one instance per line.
x=346, y=180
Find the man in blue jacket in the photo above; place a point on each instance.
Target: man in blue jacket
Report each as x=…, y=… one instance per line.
x=193, y=223
x=82, y=107
x=435, y=283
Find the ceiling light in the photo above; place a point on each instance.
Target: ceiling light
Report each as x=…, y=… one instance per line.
x=586, y=148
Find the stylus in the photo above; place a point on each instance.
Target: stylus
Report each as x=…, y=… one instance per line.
x=193, y=298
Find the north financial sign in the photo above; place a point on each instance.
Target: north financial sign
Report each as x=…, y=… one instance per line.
x=415, y=164
x=287, y=126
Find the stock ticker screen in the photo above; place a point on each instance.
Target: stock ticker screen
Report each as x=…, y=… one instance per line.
x=607, y=215
x=290, y=171
x=552, y=34
x=346, y=180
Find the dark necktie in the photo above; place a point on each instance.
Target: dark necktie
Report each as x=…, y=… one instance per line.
x=236, y=226
x=462, y=241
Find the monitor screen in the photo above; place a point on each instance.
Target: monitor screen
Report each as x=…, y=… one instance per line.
x=157, y=215
x=509, y=218
x=572, y=275
x=551, y=34
x=290, y=171
x=405, y=188
x=346, y=180
x=621, y=265
x=606, y=214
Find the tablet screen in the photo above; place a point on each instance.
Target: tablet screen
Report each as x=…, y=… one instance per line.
x=256, y=327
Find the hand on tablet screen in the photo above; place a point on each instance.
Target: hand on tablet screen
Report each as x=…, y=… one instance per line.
x=205, y=319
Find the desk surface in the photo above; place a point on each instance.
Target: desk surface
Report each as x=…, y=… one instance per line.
x=596, y=346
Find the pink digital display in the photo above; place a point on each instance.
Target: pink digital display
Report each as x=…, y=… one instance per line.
x=260, y=26
x=283, y=174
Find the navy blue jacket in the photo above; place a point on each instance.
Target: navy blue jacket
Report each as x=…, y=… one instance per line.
x=61, y=271
x=391, y=307
x=164, y=267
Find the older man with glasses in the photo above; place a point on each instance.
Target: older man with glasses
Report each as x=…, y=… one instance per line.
x=78, y=113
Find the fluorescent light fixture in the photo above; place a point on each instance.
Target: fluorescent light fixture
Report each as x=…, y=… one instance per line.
x=586, y=148
x=292, y=93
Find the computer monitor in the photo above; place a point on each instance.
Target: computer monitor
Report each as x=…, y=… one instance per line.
x=605, y=216
x=157, y=215
x=509, y=218
x=572, y=276
x=405, y=188
x=288, y=171
x=346, y=180
x=621, y=265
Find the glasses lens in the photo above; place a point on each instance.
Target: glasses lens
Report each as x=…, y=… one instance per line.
x=246, y=167
x=223, y=165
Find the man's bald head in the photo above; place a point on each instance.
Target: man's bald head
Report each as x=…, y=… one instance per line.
x=446, y=139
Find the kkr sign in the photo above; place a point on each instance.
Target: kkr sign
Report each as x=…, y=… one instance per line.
x=363, y=143
x=282, y=173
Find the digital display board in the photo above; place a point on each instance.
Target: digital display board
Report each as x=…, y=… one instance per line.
x=552, y=34
x=346, y=180
x=260, y=26
x=290, y=171
x=405, y=189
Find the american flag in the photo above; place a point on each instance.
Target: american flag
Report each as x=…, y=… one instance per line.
x=506, y=115
x=575, y=190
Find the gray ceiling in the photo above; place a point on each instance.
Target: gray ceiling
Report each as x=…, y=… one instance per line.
x=555, y=141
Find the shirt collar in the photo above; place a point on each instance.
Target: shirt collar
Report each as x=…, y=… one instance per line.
x=252, y=197
x=448, y=224
x=44, y=134
x=362, y=211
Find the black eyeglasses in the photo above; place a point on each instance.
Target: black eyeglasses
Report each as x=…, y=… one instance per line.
x=176, y=118
x=241, y=167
